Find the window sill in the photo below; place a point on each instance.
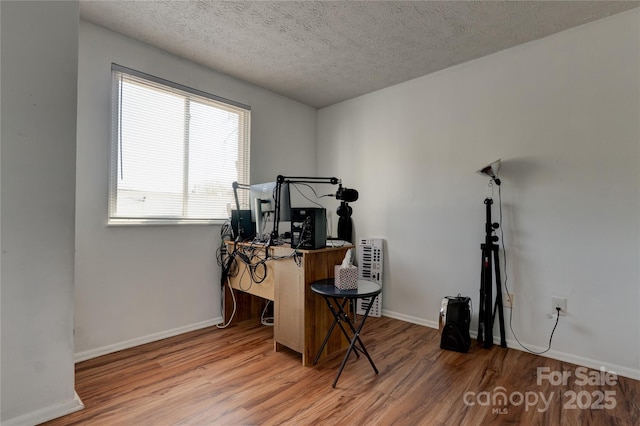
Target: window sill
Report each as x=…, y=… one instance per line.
x=163, y=222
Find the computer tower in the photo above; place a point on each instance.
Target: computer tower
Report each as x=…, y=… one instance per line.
x=242, y=225
x=308, y=227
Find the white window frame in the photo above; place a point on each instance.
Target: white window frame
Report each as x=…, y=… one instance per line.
x=239, y=168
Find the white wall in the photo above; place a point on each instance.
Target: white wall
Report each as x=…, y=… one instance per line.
x=135, y=284
x=39, y=78
x=563, y=114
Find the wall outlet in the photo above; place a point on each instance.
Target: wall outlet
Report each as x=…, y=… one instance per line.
x=508, y=300
x=559, y=302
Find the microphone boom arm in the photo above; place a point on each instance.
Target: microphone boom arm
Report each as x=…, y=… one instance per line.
x=294, y=179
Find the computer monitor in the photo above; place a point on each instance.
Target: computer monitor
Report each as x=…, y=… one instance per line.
x=262, y=202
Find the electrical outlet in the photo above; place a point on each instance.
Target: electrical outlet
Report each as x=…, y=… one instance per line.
x=559, y=302
x=508, y=299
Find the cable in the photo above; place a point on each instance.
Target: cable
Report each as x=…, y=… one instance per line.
x=233, y=313
x=266, y=320
x=247, y=256
x=226, y=234
x=506, y=278
x=550, y=337
x=302, y=234
x=295, y=185
x=256, y=264
x=334, y=243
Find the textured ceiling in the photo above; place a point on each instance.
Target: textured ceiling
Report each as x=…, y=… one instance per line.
x=324, y=52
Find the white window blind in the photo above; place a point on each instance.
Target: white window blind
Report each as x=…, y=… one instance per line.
x=175, y=151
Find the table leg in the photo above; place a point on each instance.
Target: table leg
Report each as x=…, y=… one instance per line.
x=356, y=338
x=338, y=318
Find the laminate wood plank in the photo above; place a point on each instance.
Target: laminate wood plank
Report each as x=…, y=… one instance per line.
x=232, y=376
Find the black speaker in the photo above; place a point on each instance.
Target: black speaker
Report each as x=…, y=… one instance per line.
x=242, y=225
x=308, y=228
x=455, y=319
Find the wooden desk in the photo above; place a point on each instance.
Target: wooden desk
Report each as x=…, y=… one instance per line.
x=301, y=319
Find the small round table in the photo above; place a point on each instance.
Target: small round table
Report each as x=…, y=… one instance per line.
x=336, y=300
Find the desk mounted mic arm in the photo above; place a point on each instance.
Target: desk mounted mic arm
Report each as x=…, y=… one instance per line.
x=281, y=180
x=235, y=185
x=345, y=194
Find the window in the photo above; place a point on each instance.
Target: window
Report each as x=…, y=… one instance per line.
x=175, y=151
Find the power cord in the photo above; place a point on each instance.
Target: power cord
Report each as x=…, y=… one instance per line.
x=247, y=256
x=233, y=313
x=226, y=262
x=266, y=320
x=295, y=185
x=506, y=278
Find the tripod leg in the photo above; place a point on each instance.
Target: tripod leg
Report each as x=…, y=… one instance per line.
x=486, y=273
x=481, y=312
x=503, y=341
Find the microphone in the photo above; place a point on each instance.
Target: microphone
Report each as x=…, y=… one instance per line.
x=345, y=194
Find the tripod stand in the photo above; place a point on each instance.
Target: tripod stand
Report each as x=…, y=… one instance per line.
x=487, y=314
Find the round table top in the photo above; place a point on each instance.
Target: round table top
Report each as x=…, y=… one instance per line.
x=365, y=288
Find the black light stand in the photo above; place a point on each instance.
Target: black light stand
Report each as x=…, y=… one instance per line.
x=345, y=224
x=487, y=314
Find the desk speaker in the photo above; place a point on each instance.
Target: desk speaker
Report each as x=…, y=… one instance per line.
x=308, y=228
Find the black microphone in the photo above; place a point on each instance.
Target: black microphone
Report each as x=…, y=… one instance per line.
x=345, y=194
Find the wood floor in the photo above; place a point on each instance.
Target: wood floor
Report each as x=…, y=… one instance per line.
x=233, y=377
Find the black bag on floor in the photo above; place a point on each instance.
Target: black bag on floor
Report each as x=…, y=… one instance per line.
x=455, y=319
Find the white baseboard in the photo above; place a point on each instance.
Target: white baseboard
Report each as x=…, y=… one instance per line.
x=512, y=344
x=47, y=413
x=578, y=360
x=407, y=318
x=104, y=350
